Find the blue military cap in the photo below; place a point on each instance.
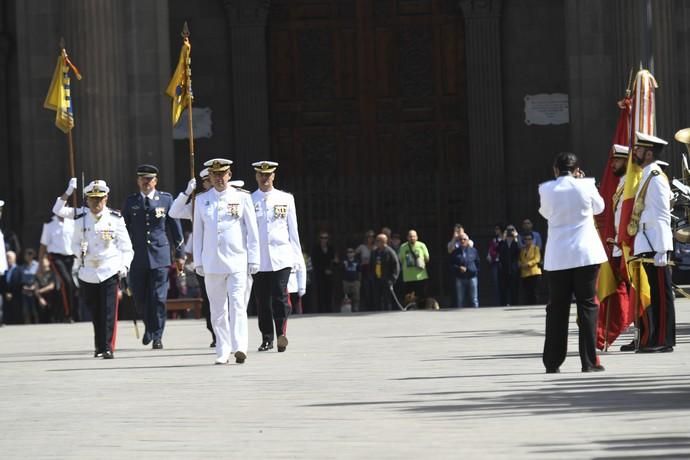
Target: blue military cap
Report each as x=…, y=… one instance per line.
x=147, y=171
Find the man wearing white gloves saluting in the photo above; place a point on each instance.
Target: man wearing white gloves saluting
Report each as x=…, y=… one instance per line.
x=226, y=248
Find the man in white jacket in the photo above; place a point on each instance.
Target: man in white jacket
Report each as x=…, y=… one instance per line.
x=281, y=253
x=225, y=249
x=654, y=240
x=572, y=258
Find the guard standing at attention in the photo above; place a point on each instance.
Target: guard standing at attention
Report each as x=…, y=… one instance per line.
x=650, y=224
x=281, y=253
x=104, y=254
x=150, y=227
x=226, y=250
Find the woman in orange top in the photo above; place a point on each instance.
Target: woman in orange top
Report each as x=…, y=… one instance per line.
x=530, y=272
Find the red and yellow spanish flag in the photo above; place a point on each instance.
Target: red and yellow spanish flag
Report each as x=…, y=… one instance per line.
x=614, y=310
x=59, y=98
x=180, y=86
x=644, y=120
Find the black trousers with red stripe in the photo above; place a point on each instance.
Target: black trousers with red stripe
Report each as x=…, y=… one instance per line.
x=658, y=322
x=101, y=300
x=270, y=291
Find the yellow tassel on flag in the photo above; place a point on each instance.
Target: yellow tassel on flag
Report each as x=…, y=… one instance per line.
x=179, y=88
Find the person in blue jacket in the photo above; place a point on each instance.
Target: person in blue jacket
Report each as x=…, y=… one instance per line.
x=464, y=264
x=155, y=236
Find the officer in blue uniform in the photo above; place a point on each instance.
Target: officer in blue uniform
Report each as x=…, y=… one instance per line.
x=150, y=227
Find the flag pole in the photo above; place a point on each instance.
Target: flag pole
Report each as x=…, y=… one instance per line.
x=70, y=142
x=188, y=71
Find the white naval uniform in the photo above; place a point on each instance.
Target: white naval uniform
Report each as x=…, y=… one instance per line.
x=108, y=247
x=569, y=206
x=278, y=232
x=180, y=209
x=225, y=241
x=61, y=209
x=655, y=220
x=3, y=257
x=57, y=236
x=616, y=251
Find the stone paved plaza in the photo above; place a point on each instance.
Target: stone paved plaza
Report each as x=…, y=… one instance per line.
x=448, y=384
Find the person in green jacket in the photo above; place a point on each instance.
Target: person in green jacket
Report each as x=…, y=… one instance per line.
x=414, y=258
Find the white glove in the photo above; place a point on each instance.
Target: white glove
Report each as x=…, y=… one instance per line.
x=660, y=259
x=191, y=185
x=301, y=292
x=253, y=269
x=122, y=273
x=71, y=186
x=199, y=270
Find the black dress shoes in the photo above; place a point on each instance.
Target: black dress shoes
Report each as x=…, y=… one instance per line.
x=157, y=344
x=552, y=370
x=265, y=346
x=146, y=339
x=213, y=344
x=657, y=349
x=628, y=347
x=97, y=354
x=108, y=354
x=595, y=368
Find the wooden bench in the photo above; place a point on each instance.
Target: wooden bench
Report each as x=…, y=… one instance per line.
x=183, y=304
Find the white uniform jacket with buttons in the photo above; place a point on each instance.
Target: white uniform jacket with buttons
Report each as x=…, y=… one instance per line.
x=569, y=205
x=57, y=236
x=181, y=208
x=616, y=251
x=225, y=236
x=655, y=220
x=108, y=247
x=278, y=233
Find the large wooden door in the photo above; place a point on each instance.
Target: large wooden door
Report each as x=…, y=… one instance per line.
x=368, y=115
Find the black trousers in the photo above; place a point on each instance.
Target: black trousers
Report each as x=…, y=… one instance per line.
x=658, y=323
x=383, y=299
x=62, y=267
x=101, y=300
x=581, y=282
x=270, y=291
x=205, y=305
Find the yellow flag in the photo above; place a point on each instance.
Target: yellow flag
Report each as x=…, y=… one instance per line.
x=58, y=97
x=179, y=88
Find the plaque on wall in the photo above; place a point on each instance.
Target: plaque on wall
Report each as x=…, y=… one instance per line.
x=546, y=109
x=201, y=119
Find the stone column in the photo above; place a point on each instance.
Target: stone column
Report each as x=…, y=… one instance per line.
x=247, y=23
x=5, y=148
x=485, y=111
x=94, y=35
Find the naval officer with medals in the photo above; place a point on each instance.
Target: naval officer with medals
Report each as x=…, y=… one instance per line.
x=281, y=253
x=650, y=224
x=104, y=254
x=225, y=250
